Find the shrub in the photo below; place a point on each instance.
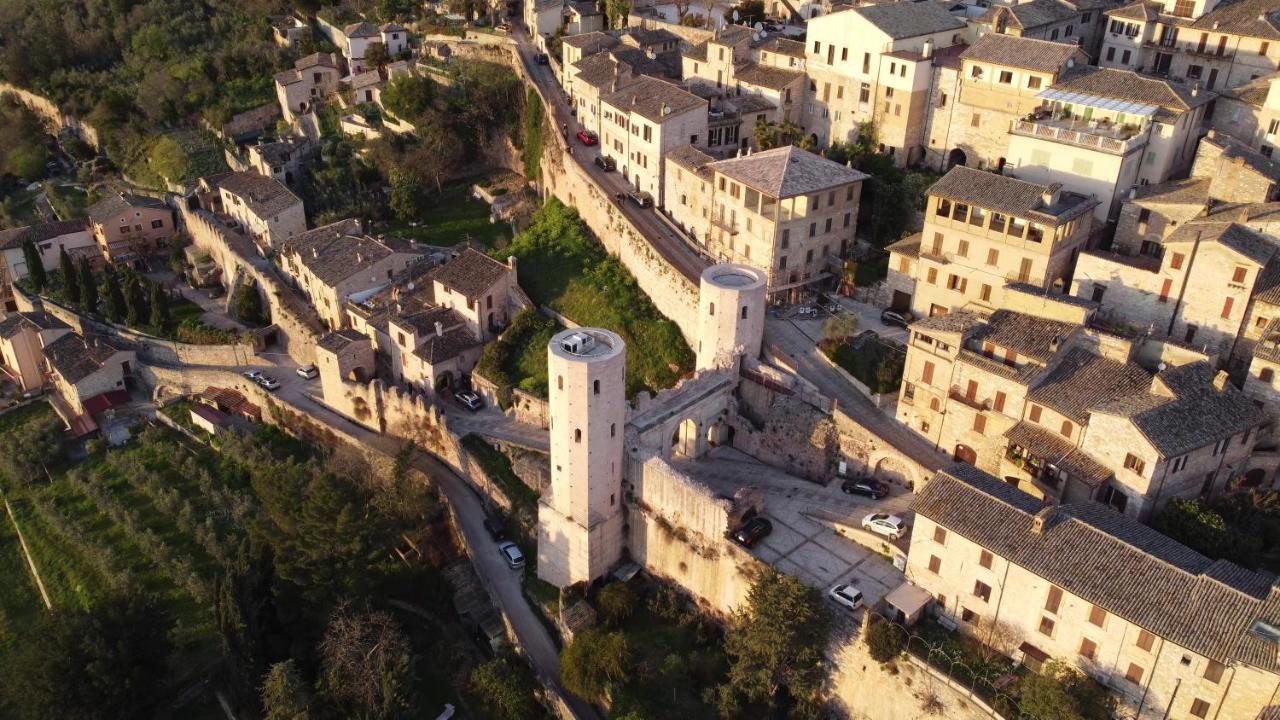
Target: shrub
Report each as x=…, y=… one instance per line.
x=617, y=602
x=885, y=641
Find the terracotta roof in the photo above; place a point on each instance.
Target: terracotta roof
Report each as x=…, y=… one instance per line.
x=264, y=196
x=1233, y=149
x=765, y=76
x=210, y=414
x=1252, y=18
x=472, y=273
x=1253, y=92
x=653, y=99
x=75, y=357
x=1114, y=562
x=788, y=171
x=590, y=42
x=1081, y=381
x=439, y=348
x=1143, y=11
x=1029, y=336
x=1033, y=14
x=908, y=246
x=37, y=320
x=689, y=158
x=1128, y=85
x=360, y=30
x=110, y=207
x=901, y=20
x=328, y=60
x=1243, y=241
x=15, y=237
x=1020, y=52
x=1010, y=196
x=336, y=341
x=1188, y=191
x=1057, y=450
x=784, y=46
x=961, y=321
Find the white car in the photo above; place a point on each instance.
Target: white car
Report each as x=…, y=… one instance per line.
x=306, y=372
x=890, y=526
x=511, y=553
x=252, y=374
x=846, y=596
x=268, y=383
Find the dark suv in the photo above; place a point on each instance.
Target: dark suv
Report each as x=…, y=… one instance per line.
x=873, y=489
x=753, y=531
x=606, y=163
x=643, y=199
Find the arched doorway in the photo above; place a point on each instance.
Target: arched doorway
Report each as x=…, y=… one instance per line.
x=1254, y=478
x=956, y=157
x=965, y=454
x=684, y=442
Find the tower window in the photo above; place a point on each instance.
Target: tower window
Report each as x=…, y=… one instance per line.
x=744, y=312
x=559, y=382
x=713, y=309
x=577, y=435
x=595, y=387
x=613, y=429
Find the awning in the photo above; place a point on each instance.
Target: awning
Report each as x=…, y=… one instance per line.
x=106, y=401
x=1033, y=652
x=1097, y=101
x=908, y=599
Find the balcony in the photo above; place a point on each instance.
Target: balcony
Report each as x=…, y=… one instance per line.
x=729, y=227
x=1094, y=134
x=958, y=395
x=1039, y=471
x=1206, y=52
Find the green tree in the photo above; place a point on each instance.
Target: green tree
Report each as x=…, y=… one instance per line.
x=35, y=266
x=777, y=642
x=244, y=608
x=159, y=308
x=135, y=300
x=885, y=640
x=749, y=12
x=285, y=695
x=1061, y=692
x=116, y=309
x=26, y=447
x=88, y=286
x=367, y=666
x=505, y=689
x=26, y=161
x=70, y=281
x=617, y=602
x=99, y=663
x=409, y=96
x=839, y=328
x=406, y=194
x=616, y=12
x=534, y=120
x=249, y=305
x=1204, y=530
x=594, y=660
x=375, y=54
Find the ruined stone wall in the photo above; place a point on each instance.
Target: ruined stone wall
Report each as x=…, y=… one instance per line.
x=719, y=573
x=782, y=430
x=865, y=451
x=52, y=114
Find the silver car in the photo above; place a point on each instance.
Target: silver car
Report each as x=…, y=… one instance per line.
x=847, y=596
x=890, y=526
x=511, y=553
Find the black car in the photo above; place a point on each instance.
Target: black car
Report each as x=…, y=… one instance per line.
x=893, y=317
x=542, y=59
x=643, y=199
x=752, y=531
x=606, y=163
x=494, y=526
x=468, y=400
x=873, y=489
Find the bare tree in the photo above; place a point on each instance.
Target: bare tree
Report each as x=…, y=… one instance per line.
x=997, y=638
x=368, y=663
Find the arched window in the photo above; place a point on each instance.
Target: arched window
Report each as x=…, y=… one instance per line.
x=577, y=435
x=713, y=308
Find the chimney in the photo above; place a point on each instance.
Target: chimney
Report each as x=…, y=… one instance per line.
x=1051, y=194
x=315, y=251
x=1044, y=519
x=511, y=263
x=926, y=51
x=1220, y=380
x=1053, y=344
x=439, y=329
x=1244, y=215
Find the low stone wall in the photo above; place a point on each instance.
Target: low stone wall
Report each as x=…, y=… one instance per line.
x=785, y=430
x=866, y=452
x=530, y=409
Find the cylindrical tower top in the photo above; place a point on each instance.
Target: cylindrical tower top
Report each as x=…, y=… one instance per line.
x=740, y=278
x=731, y=308
x=586, y=345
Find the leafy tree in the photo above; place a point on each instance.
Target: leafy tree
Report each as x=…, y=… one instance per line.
x=88, y=286
x=617, y=602
x=592, y=661
x=375, y=54
x=406, y=195
x=159, y=308
x=1061, y=692
x=616, y=12
x=505, y=689
x=409, y=96
x=367, y=665
x=534, y=120
x=70, y=281
x=249, y=305
x=750, y=12
x=285, y=695
x=838, y=328
x=245, y=613
x=135, y=300
x=116, y=309
x=778, y=641
x=35, y=266
x=26, y=447
x=1205, y=530
x=100, y=663
x=885, y=641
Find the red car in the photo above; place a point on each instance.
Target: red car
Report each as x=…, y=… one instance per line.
x=587, y=137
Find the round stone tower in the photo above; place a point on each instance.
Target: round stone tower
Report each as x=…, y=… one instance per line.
x=731, y=307
x=579, y=520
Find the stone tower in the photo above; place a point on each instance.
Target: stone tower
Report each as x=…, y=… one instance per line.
x=731, y=307
x=579, y=519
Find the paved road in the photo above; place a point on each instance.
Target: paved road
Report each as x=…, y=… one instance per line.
x=665, y=241
x=493, y=423
x=787, y=337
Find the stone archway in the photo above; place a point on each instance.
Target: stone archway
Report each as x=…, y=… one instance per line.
x=686, y=441
x=956, y=157
x=894, y=468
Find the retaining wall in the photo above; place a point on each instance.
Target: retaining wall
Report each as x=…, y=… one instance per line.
x=47, y=109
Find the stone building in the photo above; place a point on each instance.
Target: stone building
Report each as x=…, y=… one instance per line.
x=982, y=231
x=1250, y=113
x=1078, y=22
x=50, y=239
x=1171, y=632
x=786, y=211
x=644, y=121
x=1219, y=43
x=1069, y=412
x=883, y=79
x=1101, y=132
x=997, y=82
x=731, y=300
x=607, y=71
x=729, y=65
x=309, y=80
x=23, y=337
x=83, y=367
x=267, y=210
x=129, y=227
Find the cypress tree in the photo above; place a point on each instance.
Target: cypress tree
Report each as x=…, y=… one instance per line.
x=159, y=308
x=70, y=282
x=135, y=301
x=88, y=287
x=115, y=296
x=35, y=266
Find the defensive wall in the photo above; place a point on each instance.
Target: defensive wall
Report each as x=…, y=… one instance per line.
x=52, y=114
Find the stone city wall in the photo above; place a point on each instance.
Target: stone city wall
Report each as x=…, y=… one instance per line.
x=684, y=503
x=51, y=113
x=719, y=574
x=866, y=452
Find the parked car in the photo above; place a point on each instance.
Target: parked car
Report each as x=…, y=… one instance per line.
x=753, y=531
x=252, y=375
x=587, y=137
x=511, y=553
x=890, y=526
x=468, y=400
x=643, y=199
x=846, y=596
x=898, y=319
x=494, y=526
x=268, y=383
x=307, y=372
x=542, y=59
x=868, y=487
x=606, y=163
